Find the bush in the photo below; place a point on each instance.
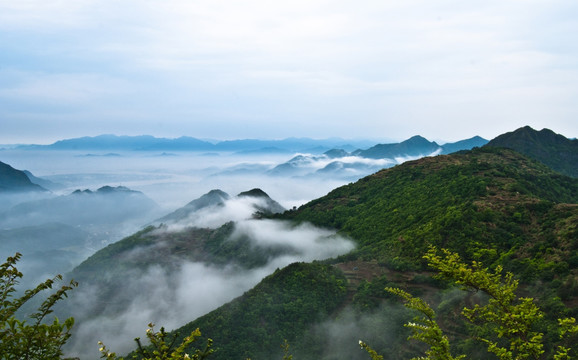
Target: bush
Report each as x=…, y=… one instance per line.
x=31, y=338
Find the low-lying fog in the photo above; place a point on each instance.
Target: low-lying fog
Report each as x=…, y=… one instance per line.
x=170, y=179
x=173, y=180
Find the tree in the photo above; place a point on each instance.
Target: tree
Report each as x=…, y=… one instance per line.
x=31, y=338
x=512, y=319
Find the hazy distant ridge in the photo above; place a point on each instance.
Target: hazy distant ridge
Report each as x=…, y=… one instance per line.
x=184, y=143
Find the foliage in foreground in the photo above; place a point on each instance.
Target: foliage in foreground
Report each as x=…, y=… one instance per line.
x=31, y=338
x=511, y=320
x=162, y=348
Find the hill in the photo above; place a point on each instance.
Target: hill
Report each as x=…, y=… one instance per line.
x=105, y=206
x=223, y=244
x=12, y=180
x=466, y=144
x=395, y=211
x=491, y=205
x=212, y=198
x=554, y=150
x=414, y=146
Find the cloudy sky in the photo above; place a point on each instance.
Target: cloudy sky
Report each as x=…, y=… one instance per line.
x=382, y=69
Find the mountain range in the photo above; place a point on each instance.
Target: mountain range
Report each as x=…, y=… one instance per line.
x=184, y=143
x=490, y=204
x=414, y=146
x=315, y=275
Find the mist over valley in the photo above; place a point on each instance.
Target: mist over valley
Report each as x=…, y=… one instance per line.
x=181, y=238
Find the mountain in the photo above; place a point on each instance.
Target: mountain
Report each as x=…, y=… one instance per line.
x=305, y=145
x=267, y=207
x=202, y=243
x=298, y=165
x=336, y=153
x=47, y=184
x=554, y=150
x=239, y=250
x=340, y=164
x=466, y=144
x=490, y=205
x=127, y=143
x=107, y=206
x=414, y=146
x=215, y=200
x=185, y=143
x=12, y=180
x=212, y=198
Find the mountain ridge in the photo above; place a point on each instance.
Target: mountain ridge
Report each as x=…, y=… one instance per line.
x=491, y=205
x=13, y=180
x=554, y=150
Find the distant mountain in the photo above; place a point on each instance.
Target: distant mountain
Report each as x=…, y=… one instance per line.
x=215, y=200
x=340, y=164
x=351, y=170
x=12, y=180
x=47, y=184
x=466, y=144
x=336, y=153
x=554, y=150
x=106, y=206
x=414, y=146
x=298, y=165
x=315, y=146
x=212, y=198
x=127, y=143
x=269, y=206
x=184, y=143
x=265, y=150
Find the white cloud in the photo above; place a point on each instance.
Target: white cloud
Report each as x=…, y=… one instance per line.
x=385, y=67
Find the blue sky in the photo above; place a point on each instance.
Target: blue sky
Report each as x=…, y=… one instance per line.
x=446, y=70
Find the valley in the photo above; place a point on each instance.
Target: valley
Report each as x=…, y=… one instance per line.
x=305, y=256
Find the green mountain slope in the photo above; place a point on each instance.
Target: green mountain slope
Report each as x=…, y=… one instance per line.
x=489, y=204
x=279, y=307
x=481, y=203
x=554, y=150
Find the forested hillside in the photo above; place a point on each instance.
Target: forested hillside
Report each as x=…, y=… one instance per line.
x=491, y=205
x=554, y=150
x=485, y=204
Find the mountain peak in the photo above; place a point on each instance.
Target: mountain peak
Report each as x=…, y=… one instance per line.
x=256, y=192
x=415, y=146
x=554, y=150
x=15, y=180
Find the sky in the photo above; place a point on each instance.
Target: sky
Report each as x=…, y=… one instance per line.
x=215, y=69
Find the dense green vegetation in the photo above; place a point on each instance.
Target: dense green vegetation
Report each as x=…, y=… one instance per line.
x=31, y=337
x=489, y=205
x=554, y=150
x=505, y=323
x=486, y=204
x=280, y=307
